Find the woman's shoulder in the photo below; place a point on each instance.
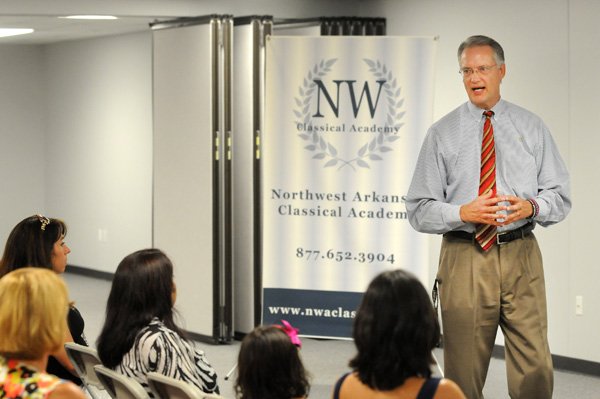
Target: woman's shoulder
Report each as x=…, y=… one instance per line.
x=157, y=333
x=448, y=389
x=156, y=326
x=67, y=390
x=338, y=385
x=350, y=386
x=24, y=375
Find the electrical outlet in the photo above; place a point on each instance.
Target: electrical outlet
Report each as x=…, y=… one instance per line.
x=579, y=305
x=102, y=235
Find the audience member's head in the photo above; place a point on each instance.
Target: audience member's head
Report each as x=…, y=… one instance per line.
x=33, y=313
x=395, y=330
x=142, y=289
x=269, y=366
x=36, y=241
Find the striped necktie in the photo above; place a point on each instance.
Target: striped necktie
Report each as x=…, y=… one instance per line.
x=485, y=234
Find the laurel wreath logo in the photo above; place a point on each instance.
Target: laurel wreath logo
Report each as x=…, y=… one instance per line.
x=373, y=149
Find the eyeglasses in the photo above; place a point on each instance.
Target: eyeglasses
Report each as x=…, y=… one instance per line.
x=44, y=221
x=482, y=70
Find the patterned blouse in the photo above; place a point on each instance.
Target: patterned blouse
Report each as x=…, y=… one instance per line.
x=159, y=349
x=19, y=381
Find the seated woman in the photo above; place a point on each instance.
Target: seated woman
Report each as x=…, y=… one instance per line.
x=139, y=335
x=269, y=366
x=39, y=241
x=33, y=308
x=395, y=330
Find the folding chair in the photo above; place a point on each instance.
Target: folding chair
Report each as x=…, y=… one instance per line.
x=170, y=388
x=120, y=386
x=84, y=359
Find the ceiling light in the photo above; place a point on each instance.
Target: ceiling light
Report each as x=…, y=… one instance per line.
x=90, y=17
x=5, y=32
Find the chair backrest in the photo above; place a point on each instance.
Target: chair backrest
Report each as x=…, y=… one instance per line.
x=120, y=386
x=84, y=359
x=170, y=388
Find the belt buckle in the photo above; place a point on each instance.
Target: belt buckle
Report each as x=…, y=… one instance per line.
x=515, y=231
x=498, y=235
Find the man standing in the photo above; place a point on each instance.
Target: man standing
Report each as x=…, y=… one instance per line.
x=487, y=173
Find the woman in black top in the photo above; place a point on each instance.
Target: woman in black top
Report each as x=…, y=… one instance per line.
x=38, y=241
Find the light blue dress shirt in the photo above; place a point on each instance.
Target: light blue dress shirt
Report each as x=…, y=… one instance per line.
x=528, y=165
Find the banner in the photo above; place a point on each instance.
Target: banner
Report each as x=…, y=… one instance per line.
x=344, y=121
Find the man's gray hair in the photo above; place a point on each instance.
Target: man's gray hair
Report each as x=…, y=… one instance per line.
x=480, y=40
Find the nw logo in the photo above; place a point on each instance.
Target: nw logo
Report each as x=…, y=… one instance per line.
x=317, y=102
x=335, y=105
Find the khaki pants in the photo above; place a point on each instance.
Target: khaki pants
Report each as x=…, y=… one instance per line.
x=481, y=291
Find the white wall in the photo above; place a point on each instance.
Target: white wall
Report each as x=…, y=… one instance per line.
x=99, y=146
x=22, y=154
x=584, y=140
x=551, y=54
x=76, y=137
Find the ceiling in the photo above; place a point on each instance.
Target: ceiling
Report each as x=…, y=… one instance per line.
x=51, y=29
x=136, y=15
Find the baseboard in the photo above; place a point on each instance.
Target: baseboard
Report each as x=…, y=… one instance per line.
x=207, y=339
x=576, y=365
x=562, y=363
x=84, y=271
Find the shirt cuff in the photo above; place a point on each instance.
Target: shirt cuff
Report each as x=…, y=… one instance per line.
x=452, y=217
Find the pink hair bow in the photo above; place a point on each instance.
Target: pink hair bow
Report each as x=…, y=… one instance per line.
x=292, y=332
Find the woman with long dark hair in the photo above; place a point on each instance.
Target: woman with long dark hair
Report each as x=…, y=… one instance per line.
x=39, y=241
x=395, y=330
x=140, y=335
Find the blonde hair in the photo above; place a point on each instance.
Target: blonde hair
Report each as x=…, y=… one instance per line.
x=33, y=313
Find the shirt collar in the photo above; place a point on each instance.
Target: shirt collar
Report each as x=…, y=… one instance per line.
x=477, y=112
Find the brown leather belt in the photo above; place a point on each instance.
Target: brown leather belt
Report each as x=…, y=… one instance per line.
x=501, y=238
